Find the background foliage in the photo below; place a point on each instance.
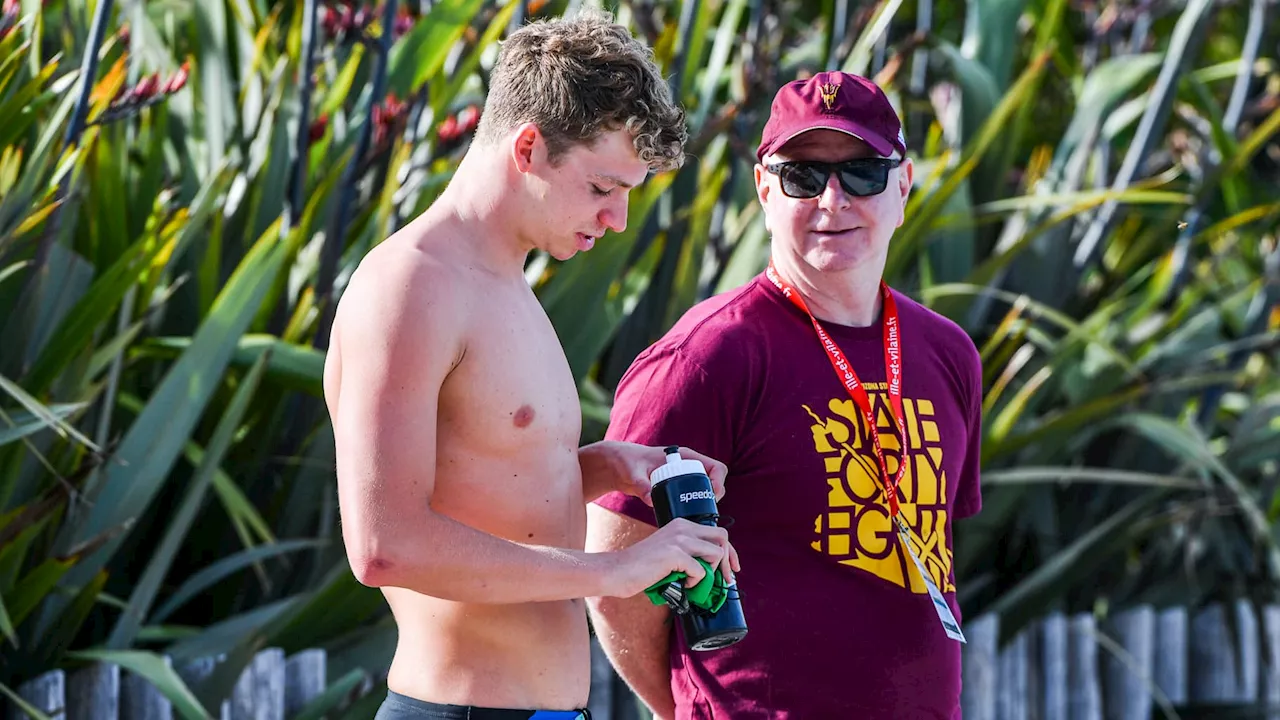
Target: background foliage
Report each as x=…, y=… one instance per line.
x=1096, y=203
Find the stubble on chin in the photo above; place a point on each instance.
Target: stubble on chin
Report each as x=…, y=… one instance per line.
x=838, y=258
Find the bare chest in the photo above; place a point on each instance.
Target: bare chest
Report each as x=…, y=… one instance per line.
x=513, y=388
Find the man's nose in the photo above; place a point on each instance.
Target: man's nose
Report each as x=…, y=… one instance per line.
x=833, y=196
x=614, y=217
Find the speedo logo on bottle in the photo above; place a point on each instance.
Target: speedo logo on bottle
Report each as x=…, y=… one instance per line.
x=699, y=495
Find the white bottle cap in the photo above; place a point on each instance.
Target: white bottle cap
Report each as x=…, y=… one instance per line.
x=676, y=466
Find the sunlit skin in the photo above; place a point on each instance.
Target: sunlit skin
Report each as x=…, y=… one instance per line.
x=576, y=199
x=461, y=485
x=832, y=248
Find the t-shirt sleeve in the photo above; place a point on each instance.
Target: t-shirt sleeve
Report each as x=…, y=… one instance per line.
x=969, y=490
x=668, y=398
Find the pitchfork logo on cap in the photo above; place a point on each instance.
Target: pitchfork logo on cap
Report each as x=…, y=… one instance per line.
x=828, y=91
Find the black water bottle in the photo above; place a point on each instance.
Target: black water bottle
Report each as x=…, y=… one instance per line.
x=681, y=489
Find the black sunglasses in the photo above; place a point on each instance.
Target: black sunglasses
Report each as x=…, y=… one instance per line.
x=859, y=178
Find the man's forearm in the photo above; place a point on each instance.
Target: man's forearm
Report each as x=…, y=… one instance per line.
x=439, y=556
x=636, y=637
x=597, y=469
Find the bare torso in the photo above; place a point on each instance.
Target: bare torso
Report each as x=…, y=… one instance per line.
x=507, y=464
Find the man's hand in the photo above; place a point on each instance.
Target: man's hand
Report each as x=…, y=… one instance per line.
x=675, y=546
x=625, y=467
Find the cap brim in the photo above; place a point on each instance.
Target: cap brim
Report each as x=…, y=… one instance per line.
x=879, y=144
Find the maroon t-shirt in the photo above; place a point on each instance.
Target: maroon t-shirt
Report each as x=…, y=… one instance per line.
x=839, y=622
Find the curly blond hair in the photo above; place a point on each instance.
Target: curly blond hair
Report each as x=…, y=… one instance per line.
x=577, y=78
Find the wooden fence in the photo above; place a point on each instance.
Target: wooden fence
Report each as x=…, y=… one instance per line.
x=1140, y=664
x=272, y=687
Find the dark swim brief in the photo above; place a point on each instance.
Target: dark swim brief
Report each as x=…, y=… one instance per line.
x=403, y=707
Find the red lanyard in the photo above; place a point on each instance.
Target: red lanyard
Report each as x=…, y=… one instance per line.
x=844, y=371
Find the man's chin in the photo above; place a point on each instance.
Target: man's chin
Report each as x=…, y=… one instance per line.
x=841, y=256
x=834, y=262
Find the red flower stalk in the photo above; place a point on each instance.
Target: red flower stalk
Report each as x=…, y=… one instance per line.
x=388, y=119
x=318, y=127
x=148, y=91
x=404, y=21
x=179, y=79
x=342, y=19
x=454, y=129
x=9, y=17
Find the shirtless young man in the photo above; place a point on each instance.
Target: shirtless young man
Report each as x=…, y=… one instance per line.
x=461, y=484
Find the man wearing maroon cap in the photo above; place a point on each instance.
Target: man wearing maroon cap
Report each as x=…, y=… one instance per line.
x=849, y=417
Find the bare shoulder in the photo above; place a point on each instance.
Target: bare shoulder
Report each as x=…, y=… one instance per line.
x=399, y=280
x=402, y=309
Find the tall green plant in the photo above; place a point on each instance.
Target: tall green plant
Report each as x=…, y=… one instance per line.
x=167, y=270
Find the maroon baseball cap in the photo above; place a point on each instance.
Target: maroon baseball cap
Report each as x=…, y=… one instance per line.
x=833, y=101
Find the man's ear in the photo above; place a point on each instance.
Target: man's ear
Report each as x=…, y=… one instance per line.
x=762, y=184
x=762, y=191
x=906, y=173
x=906, y=177
x=527, y=147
